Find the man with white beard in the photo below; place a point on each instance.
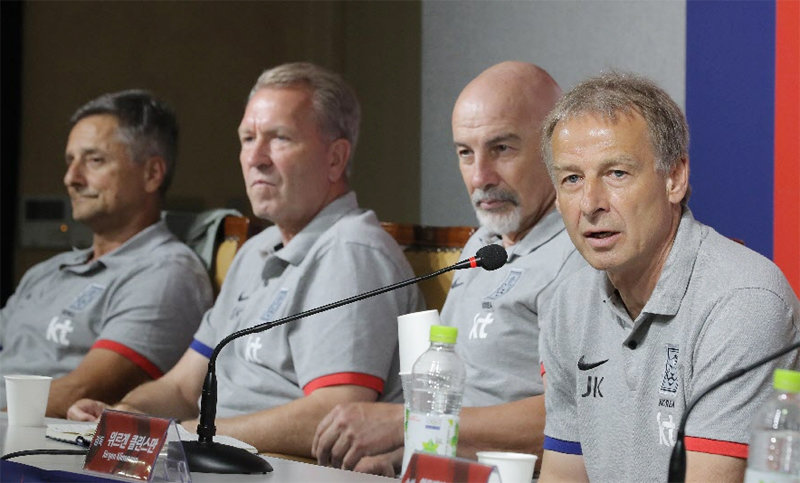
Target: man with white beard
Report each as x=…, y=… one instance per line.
x=496, y=131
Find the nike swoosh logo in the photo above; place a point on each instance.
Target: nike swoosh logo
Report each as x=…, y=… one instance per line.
x=456, y=283
x=585, y=366
x=243, y=297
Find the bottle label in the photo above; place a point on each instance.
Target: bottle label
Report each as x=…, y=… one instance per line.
x=758, y=476
x=430, y=433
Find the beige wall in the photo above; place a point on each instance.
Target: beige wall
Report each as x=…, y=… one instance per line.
x=202, y=58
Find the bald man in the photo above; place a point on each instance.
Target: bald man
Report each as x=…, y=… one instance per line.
x=496, y=131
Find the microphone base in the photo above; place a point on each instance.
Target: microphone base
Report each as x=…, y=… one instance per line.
x=222, y=458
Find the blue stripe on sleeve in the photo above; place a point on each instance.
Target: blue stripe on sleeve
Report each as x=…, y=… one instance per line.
x=561, y=446
x=201, y=348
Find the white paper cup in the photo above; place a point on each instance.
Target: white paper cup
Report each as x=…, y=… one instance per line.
x=27, y=399
x=513, y=467
x=414, y=336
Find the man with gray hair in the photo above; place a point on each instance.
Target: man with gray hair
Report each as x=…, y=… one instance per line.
x=667, y=308
x=105, y=319
x=496, y=125
x=297, y=136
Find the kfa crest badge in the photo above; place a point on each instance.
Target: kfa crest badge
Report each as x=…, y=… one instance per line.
x=86, y=297
x=669, y=383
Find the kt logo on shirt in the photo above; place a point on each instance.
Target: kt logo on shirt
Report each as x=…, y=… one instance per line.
x=58, y=330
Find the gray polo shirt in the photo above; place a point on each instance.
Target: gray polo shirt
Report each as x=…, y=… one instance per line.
x=497, y=312
x=617, y=388
x=341, y=253
x=143, y=300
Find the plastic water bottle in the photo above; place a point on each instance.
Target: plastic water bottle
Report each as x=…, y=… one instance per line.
x=431, y=422
x=774, y=453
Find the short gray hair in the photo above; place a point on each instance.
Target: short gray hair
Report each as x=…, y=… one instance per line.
x=147, y=125
x=336, y=106
x=612, y=93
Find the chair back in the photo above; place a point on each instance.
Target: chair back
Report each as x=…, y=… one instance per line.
x=431, y=248
x=206, y=233
x=234, y=234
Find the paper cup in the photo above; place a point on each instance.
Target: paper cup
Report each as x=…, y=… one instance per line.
x=513, y=467
x=27, y=399
x=414, y=336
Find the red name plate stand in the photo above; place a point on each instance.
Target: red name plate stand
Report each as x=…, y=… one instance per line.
x=129, y=445
x=430, y=468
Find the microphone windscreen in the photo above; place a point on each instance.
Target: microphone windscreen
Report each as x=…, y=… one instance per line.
x=492, y=257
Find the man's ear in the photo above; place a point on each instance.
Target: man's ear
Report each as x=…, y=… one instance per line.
x=338, y=155
x=678, y=181
x=155, y=170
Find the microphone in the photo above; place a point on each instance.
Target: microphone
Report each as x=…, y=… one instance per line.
x=490, y=257
x=677, y=461
x=207, y=456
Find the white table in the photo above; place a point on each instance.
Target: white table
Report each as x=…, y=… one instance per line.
x=14, y=438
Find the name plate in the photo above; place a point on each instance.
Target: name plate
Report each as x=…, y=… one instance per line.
x=126, y=445
x=431, y=468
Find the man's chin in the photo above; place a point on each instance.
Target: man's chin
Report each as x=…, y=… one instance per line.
x=262, y=213
x=499, y=224
x=81, y=217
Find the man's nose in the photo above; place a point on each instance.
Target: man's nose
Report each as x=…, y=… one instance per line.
x=74, y=174
x=257, y=154
x=484, y=172
x=594, y=198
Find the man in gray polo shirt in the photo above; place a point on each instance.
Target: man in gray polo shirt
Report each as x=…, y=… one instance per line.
x=496, y=125
x=105, y=319
x=668, y=307
x=297, y=135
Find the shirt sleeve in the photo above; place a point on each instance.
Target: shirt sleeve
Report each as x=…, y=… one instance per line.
x=359, y=339
x=561, y=422
x=205, y=339
x=745, y=319
x=154, y=312
x=5, y=314
x=30, y=280
x=216, y=322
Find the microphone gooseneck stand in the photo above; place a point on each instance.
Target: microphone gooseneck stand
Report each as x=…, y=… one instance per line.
x=677, y=461
x=207, y=456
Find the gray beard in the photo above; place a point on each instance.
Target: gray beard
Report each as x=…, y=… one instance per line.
x=500, y=223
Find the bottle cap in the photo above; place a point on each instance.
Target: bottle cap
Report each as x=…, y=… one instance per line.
x=443, y=333
x=786, y=380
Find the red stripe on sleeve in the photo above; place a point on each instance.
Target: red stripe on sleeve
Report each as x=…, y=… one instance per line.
x=715, y=446
x=541, y=369
x=342, y=378
x=141, y=361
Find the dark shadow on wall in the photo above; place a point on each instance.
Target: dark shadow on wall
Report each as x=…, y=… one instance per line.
x=10, y=103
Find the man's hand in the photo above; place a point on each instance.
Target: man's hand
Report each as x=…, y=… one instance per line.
x=86, y=410
x=387, y=464
x=91, y=410
x=354, y=430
